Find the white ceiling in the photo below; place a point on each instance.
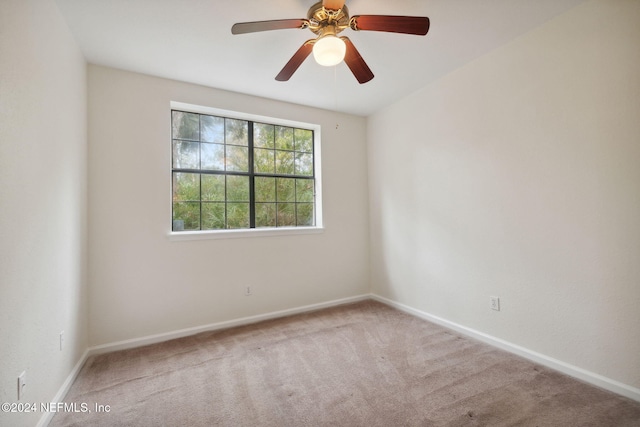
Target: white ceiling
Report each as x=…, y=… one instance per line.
x=191, y=41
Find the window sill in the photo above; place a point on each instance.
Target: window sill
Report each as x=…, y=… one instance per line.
x=239, y=234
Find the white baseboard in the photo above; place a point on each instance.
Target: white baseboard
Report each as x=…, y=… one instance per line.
x=62, y=392
x=573, y=371
x=153, y=339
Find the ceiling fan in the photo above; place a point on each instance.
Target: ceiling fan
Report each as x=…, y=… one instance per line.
x=327, y=19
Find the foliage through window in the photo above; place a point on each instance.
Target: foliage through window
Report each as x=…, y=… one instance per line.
x=235, y=174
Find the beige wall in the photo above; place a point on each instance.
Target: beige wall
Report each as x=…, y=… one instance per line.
x=142, y=283
x=518, y=176
x=42, y=202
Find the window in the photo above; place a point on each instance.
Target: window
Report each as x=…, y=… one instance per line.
x=232, y=173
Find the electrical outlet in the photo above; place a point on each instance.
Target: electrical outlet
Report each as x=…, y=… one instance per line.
x=248, y=291
x=495, y=303
x=61, y=339
x=22, y=384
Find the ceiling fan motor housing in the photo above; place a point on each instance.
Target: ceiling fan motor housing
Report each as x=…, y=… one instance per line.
x=324, y=21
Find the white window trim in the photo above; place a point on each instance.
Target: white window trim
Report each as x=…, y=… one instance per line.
x=251, y=232
x=242, y=233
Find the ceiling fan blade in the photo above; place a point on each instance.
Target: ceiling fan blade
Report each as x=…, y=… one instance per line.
x=418, y=25
x=279, y=24
x=356, y=64
x=296, y=60
x=333, y=4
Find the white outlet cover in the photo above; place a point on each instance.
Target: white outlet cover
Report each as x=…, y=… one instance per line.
x=22, y=383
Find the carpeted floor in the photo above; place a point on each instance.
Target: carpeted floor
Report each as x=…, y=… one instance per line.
x=361, y=364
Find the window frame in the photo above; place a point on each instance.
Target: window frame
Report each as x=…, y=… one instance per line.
x=247, y=232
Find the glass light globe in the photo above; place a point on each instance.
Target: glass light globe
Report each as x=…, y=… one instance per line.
x=329, y=50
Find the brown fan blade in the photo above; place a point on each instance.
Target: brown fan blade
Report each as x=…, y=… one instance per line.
x=333, y=4
x=418, y=25
x=356, y=64
x=279, y=24
x=296, y=60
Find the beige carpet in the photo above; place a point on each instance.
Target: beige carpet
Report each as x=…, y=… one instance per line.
x=361, y=364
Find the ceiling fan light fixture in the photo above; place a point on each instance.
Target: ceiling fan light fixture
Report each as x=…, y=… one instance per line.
x=329, y=50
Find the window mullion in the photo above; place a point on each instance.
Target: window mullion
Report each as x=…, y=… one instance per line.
x=252, y=186
x=200, y=168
